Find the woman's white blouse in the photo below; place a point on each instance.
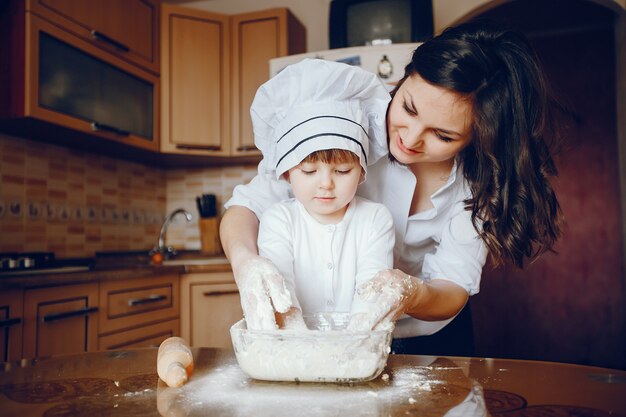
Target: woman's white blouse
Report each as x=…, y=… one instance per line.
x=323, y=264
x=440, y=243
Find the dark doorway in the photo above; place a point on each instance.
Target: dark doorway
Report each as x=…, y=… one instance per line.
x=568, y=307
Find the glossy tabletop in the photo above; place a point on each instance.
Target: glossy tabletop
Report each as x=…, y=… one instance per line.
x=124, y=383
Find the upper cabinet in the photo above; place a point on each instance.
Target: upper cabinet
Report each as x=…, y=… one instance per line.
x=61, y=84
x=257, y=37
x=212, y=66
x=128, y=29
x=195, y=76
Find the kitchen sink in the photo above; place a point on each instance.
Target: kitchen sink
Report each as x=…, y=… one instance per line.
x=196, y=261
x=105, y=260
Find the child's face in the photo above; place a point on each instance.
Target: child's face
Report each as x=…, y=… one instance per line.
x=325, y=189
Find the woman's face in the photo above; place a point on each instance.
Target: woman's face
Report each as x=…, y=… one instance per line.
x=426, y=123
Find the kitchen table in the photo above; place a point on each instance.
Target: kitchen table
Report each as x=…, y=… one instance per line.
x=124, y=383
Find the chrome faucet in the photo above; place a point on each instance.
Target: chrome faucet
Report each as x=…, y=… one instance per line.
x=160, y=246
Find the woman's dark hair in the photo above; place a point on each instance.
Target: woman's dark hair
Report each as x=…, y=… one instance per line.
x=508, y=161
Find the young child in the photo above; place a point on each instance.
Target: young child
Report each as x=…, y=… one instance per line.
x=319, y=123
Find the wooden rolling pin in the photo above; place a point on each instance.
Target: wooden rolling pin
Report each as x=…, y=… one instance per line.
x=174, y=361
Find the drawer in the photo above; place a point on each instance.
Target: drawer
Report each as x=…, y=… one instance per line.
x=133, y=303
x=147, y=336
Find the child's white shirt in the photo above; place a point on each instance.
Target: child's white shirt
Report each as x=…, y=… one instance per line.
x=324, y=264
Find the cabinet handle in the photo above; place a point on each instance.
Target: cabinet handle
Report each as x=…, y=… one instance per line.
x=150, y=299
x=246, y=148
x=111, y=129
x=10, y=322
x=226, y=292
x=66, y=314
x=99, y=36
x=200, y=147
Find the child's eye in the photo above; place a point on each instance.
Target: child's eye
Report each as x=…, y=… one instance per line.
x=343, y=171
x=308, y=171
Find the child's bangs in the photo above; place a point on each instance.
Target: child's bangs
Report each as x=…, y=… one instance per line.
x=328, y=156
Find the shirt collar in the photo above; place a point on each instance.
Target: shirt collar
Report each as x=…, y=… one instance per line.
x=444, y=196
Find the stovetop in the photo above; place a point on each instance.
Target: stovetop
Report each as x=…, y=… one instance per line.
x=31, y=263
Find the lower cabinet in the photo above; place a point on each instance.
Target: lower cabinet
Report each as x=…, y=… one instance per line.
x=138, y=312
x=11, y=324
x=146, y=336
x=60, y=320
x=210, y=305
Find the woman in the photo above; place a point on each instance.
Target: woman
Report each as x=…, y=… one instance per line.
x=467, y=175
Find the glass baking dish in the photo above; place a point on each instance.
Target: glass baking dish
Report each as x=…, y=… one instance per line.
x=327, y=352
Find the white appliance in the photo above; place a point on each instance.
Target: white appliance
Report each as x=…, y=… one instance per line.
x=387, y=61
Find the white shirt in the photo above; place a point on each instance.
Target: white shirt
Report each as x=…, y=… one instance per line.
x=440, y=243
x=323, y=264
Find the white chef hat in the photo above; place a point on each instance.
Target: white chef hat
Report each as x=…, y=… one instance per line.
x=315, y=105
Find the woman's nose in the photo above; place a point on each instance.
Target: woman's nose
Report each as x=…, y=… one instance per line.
x=414, y=136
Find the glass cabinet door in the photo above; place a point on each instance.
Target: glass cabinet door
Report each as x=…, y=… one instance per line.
x=75, y=83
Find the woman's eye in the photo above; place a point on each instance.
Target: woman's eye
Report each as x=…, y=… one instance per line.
x=443, y=138
x=408, y=109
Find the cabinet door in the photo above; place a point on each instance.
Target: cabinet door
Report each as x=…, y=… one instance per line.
x=10, y=325
x=60, y=320
x=257, y=37
x=210, y=306
x=195, y=77
x=68, y=83
x=127, y=28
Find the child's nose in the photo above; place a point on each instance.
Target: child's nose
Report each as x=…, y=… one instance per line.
x=326, y=181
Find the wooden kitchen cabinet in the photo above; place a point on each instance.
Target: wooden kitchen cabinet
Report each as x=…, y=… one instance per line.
x=210, y=305
x=60, y=320
x=128, y=29
x=195, y=76
x=138, y=312
x=146, y=336
x=63, y=88
x=212, y=66
x=11, y=324
x=256, y=38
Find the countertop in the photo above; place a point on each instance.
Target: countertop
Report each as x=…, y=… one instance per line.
x=124, y=383
x=121, y=266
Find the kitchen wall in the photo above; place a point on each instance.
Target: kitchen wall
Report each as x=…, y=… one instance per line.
x=183, y=185
x=73, y=203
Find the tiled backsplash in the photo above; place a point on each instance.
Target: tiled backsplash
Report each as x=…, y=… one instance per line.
x=184, y=185
x=75, y=203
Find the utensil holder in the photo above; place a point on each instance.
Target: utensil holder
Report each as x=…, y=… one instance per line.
x=209, y=236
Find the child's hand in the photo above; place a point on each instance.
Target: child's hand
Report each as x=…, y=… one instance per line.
x=291, y=320
x=386, y=296
x=263, y=292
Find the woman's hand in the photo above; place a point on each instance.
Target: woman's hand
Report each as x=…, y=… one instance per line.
x=389, y=294
x=263, y=293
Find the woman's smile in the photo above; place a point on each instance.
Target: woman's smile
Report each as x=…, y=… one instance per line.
x=404, y=149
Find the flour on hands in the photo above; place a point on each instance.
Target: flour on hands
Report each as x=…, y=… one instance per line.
x=263, y=292
x=386, y=296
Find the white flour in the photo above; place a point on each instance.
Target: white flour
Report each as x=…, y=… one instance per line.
x=227, y=391
x=330, y=355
